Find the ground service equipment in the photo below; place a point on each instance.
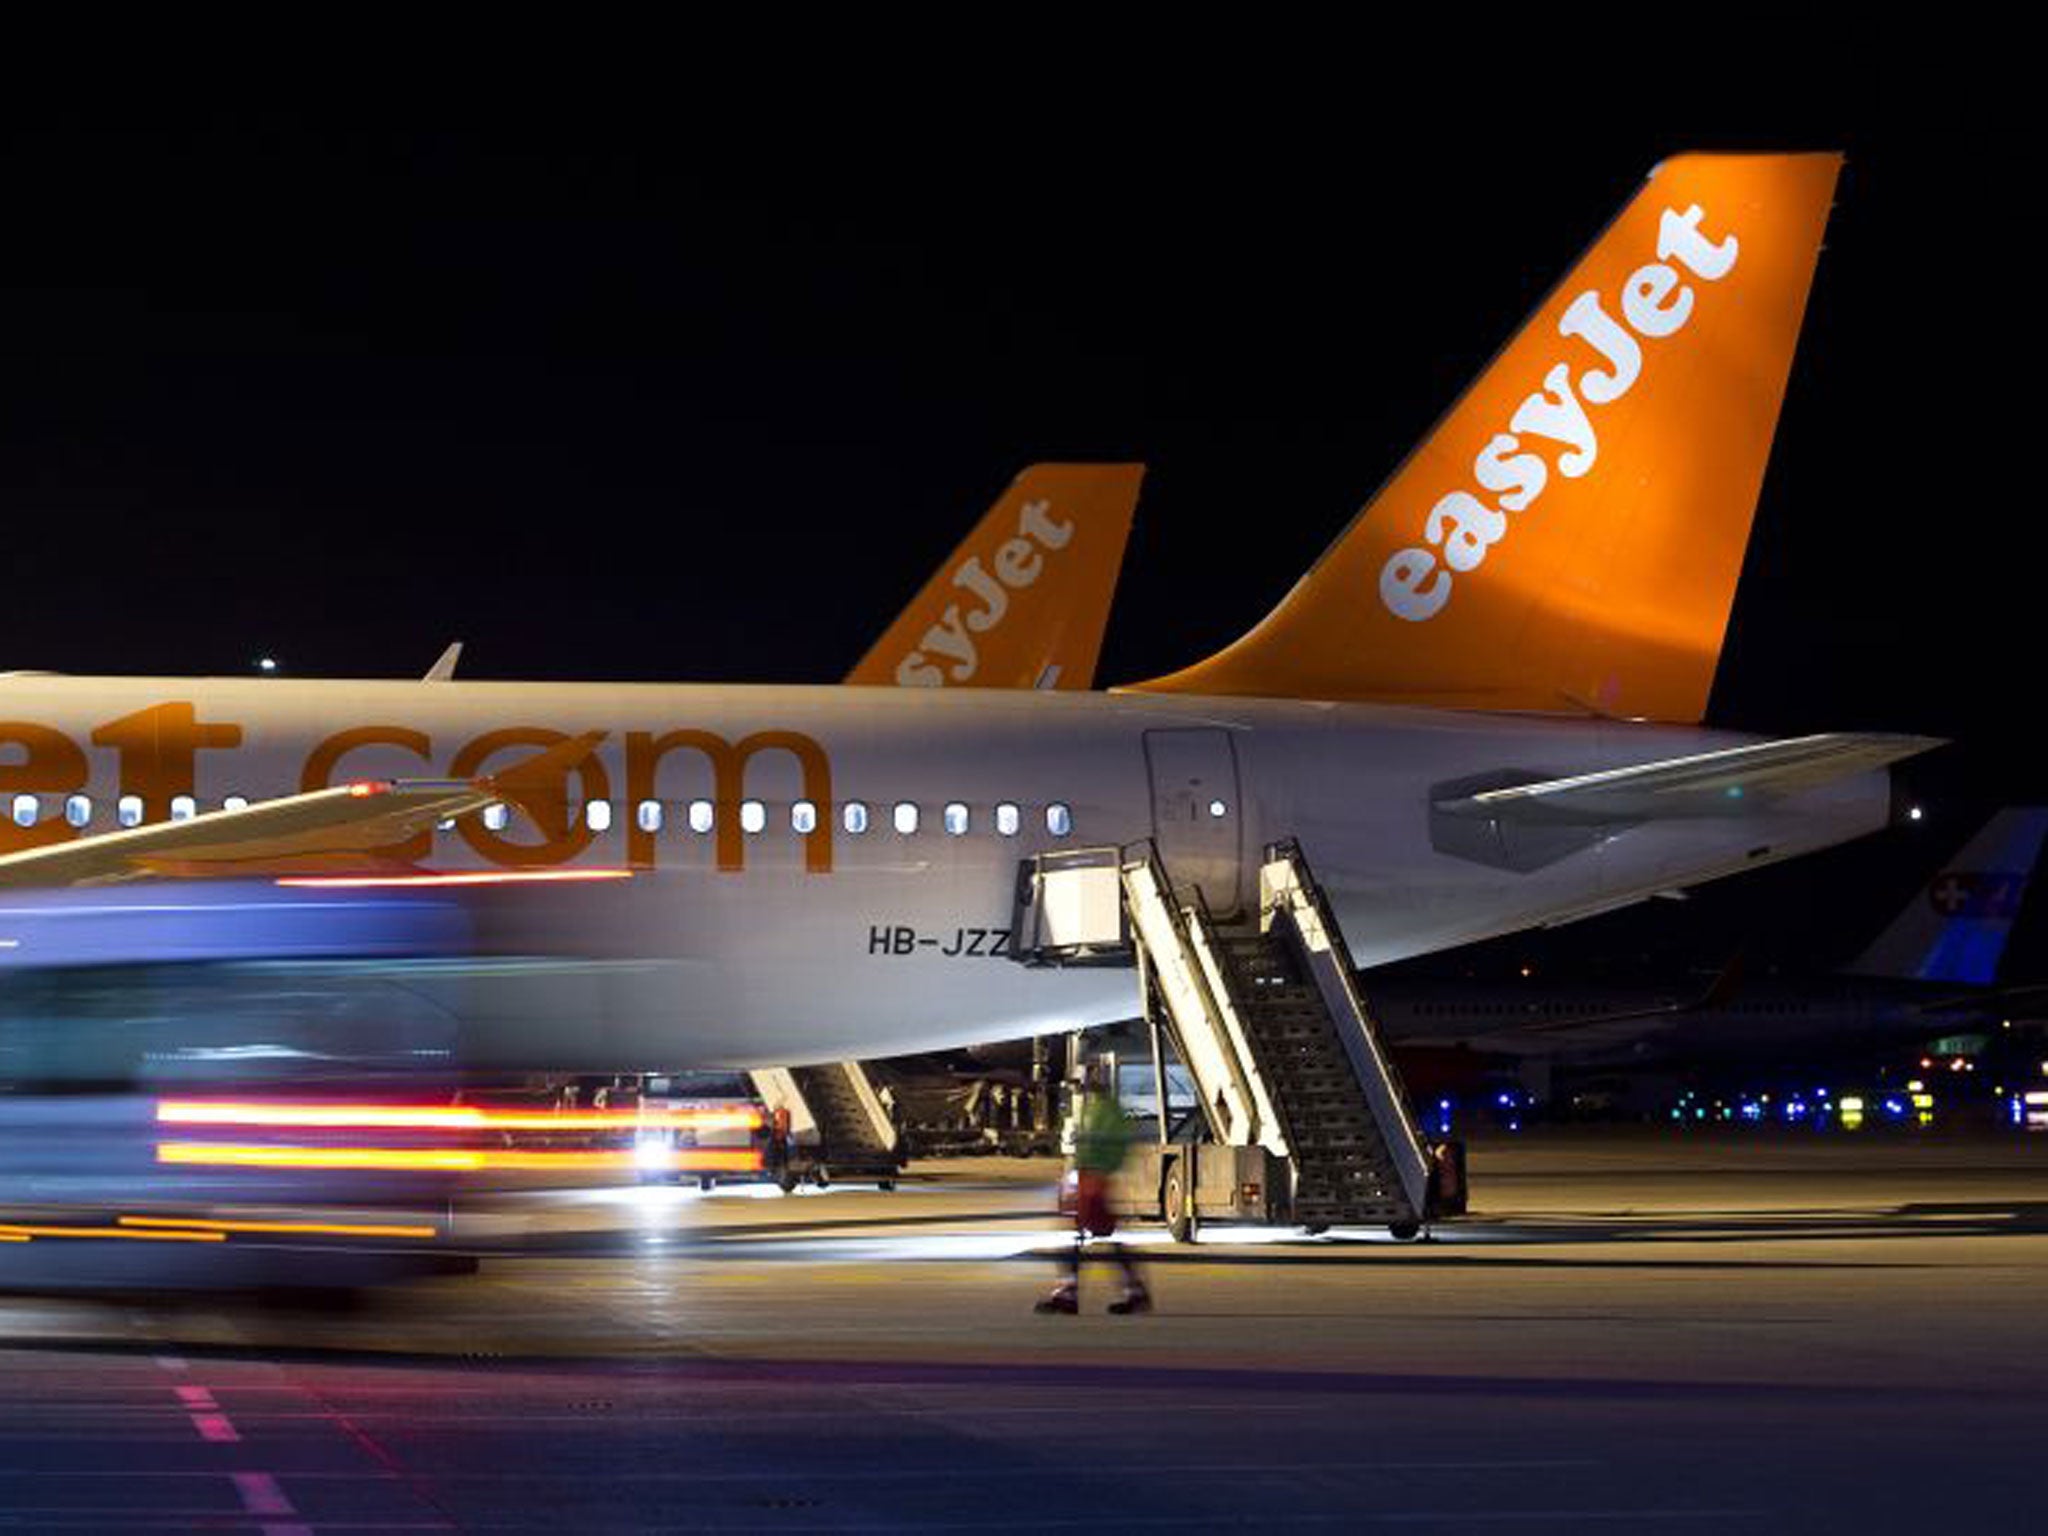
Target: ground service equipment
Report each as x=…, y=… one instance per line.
x=1306, y=1117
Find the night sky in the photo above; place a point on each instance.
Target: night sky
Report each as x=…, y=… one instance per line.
x=689, y=405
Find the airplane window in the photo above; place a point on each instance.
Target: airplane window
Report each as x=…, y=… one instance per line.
x=855, y=817
x=647, y=816
x=128, y=811
x=1008, y=819
x=753, y=816
x=78, y=810
x=235, y=803
x=26, y=809
x=1218, y=809
x=701, y=816
x=183, y=807
x=598, y=815
x=906, y=817
x=803, y=817
x=1059, y=819
x=956, y=819
x=497, y=817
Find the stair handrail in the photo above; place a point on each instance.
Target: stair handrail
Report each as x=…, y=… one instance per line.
x=1414, y=1170
x=1145, y=853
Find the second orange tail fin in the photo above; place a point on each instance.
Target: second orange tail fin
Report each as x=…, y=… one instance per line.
x=1023, y=602
x=1569, y=535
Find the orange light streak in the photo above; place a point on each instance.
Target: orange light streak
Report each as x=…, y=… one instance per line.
x=453, y=1159
x=11, y=1231
x=321, y=1228
x=450, y=1117
x=466, y=877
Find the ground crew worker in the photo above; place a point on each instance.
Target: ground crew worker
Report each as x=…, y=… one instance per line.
x=1102, y=1134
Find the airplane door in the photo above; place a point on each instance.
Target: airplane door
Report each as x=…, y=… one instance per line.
x=1196, y=818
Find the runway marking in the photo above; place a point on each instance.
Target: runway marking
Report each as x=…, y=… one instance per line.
x=206, y=1416
x=171, y=1362
x=261, y=1495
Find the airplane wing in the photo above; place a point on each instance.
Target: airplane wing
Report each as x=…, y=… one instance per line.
x=1710, y=783
x=320, y=828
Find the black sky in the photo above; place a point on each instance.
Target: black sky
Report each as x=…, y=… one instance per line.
x=686, y=403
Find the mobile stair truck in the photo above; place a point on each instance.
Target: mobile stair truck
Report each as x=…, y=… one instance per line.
x=1306, y=1118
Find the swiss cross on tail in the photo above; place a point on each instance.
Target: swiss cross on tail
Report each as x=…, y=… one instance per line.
x=1965, y=894
x=1569, y=535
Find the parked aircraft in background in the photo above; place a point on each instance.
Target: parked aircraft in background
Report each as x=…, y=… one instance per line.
x=1931, y=972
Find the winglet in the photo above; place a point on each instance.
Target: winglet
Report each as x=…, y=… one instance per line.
x=538, y=785
x=1023, y=601
x=444, y=670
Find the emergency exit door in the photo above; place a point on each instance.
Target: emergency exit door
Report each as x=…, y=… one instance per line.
x=1197, y=820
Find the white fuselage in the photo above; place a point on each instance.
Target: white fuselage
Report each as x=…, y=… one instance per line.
x=840, y=943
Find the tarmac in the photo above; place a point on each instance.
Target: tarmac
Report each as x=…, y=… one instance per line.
x=1634, y=1331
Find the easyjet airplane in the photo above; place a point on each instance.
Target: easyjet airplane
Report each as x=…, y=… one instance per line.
x=1478, y=712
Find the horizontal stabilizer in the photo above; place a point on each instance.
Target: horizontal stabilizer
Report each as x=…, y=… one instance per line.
x=1708, y=784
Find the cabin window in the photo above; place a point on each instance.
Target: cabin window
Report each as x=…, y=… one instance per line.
x=803, y=818
x=1059, y=819
x=497, y=816
x=128, y=811
x=955, y=819
x=235, y=803
x=26, y=809
x=78, y=810
x=183, y=807
x=648, y=816
x=598, y=815
x=753, y=816
x=702, y=816
x=855, y=817
x=1008, y=819
x=906, y=817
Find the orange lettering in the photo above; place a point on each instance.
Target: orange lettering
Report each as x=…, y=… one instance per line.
x=50, y=764
x=157, y=748
x=728, y=760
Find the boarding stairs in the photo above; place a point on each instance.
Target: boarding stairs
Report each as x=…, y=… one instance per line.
x=1265, y=1014
x=839, y=1127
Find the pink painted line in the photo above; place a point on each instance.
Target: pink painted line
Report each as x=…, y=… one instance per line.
x=214, y=1426
x=196, y=1397
x=261, y=1494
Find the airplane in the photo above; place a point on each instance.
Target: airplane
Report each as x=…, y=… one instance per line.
x=1479, y=712
x=1932, y=971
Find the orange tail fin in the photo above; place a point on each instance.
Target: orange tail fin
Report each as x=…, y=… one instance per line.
x=1023, y=602
x=1569, y=535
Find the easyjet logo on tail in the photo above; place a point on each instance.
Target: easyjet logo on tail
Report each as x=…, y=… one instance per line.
x=948, y=652
x=1655, y=303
